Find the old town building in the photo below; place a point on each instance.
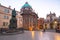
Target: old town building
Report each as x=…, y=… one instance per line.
x=29, y=17
x=50, y=22
x=40, y=23
x=5, y=16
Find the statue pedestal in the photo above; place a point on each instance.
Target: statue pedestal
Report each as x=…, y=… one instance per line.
x=13, y=23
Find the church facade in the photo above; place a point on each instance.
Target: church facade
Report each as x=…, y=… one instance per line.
x=30, y=18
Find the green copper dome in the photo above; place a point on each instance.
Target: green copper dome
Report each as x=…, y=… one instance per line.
x=26, y=5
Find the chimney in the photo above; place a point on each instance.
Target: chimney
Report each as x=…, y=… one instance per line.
x=9, y=7
x=0, y=4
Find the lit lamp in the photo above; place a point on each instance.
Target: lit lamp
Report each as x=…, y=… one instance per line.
x=30, y=28
x=55, y=23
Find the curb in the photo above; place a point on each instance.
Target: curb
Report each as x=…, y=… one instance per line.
x=11, y=33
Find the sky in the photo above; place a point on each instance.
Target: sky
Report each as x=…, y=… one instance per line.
x=41, y=7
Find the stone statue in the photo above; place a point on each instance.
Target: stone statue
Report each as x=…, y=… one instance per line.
x=13, y=20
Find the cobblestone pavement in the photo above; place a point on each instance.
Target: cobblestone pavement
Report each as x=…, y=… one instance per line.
x=32, y=35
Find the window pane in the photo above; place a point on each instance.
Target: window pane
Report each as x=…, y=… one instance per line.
x=6, y=10
x=3, y=23
x=6, y=17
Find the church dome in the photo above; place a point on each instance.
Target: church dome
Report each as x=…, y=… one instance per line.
x=26, y=5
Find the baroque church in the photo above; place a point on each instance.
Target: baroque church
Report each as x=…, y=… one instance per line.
x=30, y=18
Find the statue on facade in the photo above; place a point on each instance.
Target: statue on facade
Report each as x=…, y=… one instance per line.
x=13, y=20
